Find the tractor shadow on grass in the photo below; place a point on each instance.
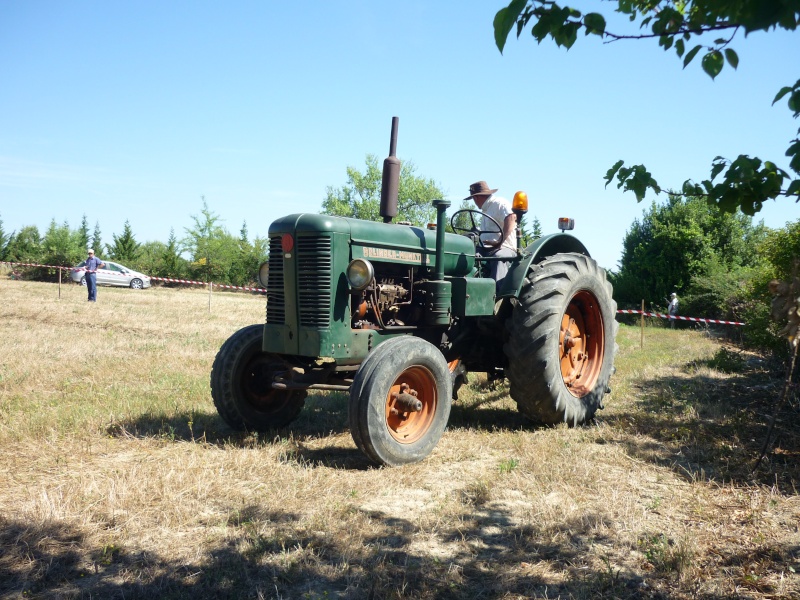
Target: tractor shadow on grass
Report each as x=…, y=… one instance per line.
x=269, y=554
x=272, y=553
x=323, y=415
x=704, y=425
x=482, y=407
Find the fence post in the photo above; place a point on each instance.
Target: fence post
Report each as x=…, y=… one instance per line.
x=641, y=341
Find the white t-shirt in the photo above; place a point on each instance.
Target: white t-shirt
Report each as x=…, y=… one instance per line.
x=498, y=208
x=673, y=307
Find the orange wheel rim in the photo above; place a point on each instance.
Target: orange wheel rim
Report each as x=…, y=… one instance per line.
x=581, y=344
x=408, y=426
x=453, y=365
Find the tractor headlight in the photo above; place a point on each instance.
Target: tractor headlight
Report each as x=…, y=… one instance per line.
x=263, y=273
x=360, y=273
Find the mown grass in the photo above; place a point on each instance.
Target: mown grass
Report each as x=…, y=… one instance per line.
x=119, y=480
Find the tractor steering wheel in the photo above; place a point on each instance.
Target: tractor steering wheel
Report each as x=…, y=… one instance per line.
x=474, y=231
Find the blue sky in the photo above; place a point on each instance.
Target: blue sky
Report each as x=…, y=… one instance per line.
x=135, y=110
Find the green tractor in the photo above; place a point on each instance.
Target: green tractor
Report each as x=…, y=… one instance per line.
x=397, y=315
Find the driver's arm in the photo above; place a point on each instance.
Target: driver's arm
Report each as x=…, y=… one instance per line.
x=509, y=226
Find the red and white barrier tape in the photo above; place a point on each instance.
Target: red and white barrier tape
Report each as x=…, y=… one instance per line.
x=261, y=290
x=678, y=317
x=168, y=279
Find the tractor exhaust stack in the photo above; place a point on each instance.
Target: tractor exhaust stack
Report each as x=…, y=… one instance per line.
x=390, y=184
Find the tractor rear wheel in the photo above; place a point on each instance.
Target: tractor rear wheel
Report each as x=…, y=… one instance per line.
x=241, y=384
x=561, y=342
x=400, y=401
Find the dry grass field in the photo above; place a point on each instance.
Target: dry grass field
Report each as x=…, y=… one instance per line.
x=118, y=480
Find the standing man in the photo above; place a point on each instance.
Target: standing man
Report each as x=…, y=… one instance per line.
x=502, y=244
x=672, y=309
x=92, y=264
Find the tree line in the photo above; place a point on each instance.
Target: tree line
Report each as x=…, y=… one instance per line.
x=206, y=252
x=719, y=262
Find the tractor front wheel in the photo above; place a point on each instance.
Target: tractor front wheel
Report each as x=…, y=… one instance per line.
x=400, y=401
x=561, y=342
x=241, y=384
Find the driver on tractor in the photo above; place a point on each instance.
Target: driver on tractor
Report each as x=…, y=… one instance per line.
x=499, y=209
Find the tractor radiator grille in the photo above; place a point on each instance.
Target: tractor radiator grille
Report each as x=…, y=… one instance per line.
x=276, y=302
x=314, y=267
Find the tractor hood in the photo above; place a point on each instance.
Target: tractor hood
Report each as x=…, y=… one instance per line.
x=385, y=242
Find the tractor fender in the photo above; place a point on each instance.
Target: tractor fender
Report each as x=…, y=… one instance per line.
x=536, y=252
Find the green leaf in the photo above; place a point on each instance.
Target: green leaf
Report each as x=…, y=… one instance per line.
x=794, y=102
x=679, y=48
x=794, y=188
x=733, y=58
x=692, y=53
x=713, y=63
x=717, y=169
x=569, y=34
x=781, y=94
x=613, y=171
x=594, y=23
x=504, y=21
x=637, y=179
x=794, y=153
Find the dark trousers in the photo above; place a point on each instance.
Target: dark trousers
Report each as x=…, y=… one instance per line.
x=91, y=286
x=499, y=269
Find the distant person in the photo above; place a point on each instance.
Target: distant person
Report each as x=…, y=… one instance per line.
x=672, y=309
x=91, y=265
x=502, y=244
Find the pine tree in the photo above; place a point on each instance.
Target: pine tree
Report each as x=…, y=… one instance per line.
x=125, y=248
x=4, y=238
x=172, y=264
x=83, y=233
x=97, y=242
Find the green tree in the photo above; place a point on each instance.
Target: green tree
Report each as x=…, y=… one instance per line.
x=25, y=245
x=779, y=250
x=4, y=237
x=125, y=248
x=149, y=257
x=97, y=240
x=172, y=264
x=247, y=259
x=530, y=233
x=747, y=182
x=83, y=233
x=61, y=246
x=360, y=197
x=679, y=246
x=210, y=247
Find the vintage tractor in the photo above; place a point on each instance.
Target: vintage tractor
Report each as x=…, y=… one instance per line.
x=396, y=315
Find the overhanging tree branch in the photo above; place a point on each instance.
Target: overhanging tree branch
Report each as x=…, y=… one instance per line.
x=747, y=181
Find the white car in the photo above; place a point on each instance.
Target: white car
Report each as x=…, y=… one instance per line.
x=112, y=274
